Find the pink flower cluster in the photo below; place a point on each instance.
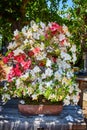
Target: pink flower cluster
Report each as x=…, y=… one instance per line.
x=54, y=30
x=20, y=64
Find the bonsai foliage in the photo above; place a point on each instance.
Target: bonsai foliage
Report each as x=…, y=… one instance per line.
x=41, y=58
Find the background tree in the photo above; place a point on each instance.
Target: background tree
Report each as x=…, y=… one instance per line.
x=15, y=14
x=75, y=18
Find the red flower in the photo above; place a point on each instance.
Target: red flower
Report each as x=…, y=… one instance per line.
x=26, y=64
x=11, y=54
x=30, y=53
x=5, y=59
x=8, y=57
x=15, y=71
x=20, y=58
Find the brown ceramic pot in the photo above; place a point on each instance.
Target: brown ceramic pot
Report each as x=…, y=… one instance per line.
x=40, y=109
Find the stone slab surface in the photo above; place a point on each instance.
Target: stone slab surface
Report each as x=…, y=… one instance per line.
x=71, y=118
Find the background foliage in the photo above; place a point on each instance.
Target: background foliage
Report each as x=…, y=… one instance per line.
x=76, y=20
x=15, y=14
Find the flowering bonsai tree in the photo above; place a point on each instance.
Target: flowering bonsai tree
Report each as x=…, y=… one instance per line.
x=41, y=59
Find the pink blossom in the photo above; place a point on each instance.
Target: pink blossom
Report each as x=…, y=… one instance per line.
x=16, y=37
x=26, y=64
x=11, y=75
x=36, y=50
x=55, y=28
x=62, y=42
x=15, y=71
x=54, y=59
x=47, y=36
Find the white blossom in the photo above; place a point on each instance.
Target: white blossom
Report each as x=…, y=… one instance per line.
x=61, y=37
x=12, y=45
x=75, y=99
x=58, y=75
x=33, y=74
x=49, y=72
x=29, y=34
x=18, y=51
x=25, y=76
x=67, y=100
x=73, y=48
x=16, y=32
x=22, y=102
x=5, y=97
x=36, y=35
x=63, y=64
x=66, y=43
x=42, y=47
x=41, y=56
x=74, y=58
x=65, y=28
x=69, y=74
x=71, y=89
x=24, y=30
x=26, y=41
x=34, y=96
x=48, y=63
x=41, y=87
x=36, y=69
x=34, y=26
x=43, y=75
x=65, y=56
x=49, y=84
x=42, y=25
x=18, y=82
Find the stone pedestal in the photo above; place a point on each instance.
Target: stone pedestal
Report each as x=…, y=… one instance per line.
x=71, y=118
